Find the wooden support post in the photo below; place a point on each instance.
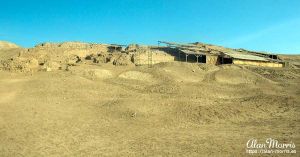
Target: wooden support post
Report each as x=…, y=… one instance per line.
x=197, y=56
x=186, y=57
x=150, y=59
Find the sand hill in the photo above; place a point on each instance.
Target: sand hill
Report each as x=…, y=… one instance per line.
x=8, y=45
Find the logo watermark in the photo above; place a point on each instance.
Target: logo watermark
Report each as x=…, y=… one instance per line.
x=270, y=146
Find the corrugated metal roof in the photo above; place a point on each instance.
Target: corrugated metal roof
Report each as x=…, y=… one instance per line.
x=238, y=55
x=192, y=52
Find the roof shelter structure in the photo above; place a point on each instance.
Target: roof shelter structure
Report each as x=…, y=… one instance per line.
x=187, y=50
x=220, y=54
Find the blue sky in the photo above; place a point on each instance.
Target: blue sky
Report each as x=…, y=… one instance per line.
x=264, y=25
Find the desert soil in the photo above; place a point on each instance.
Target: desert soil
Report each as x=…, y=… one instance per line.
x=172, y=109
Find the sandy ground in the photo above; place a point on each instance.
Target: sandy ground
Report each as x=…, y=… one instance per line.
x=174, y=109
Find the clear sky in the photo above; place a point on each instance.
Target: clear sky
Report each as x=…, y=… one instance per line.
x=265, y=25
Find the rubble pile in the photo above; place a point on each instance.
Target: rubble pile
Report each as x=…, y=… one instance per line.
x=58, y=56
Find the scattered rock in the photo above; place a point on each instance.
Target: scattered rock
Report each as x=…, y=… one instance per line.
x=49, y=66
x=133, y=114
x=73, y=59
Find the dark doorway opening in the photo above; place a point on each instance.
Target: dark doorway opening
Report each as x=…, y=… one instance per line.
x=226, y=60
x=273, y=56
x=202, y=59
x=192, y=58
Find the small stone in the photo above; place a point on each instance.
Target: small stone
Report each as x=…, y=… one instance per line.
x=133, y=114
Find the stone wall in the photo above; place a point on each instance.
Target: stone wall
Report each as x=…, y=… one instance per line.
x=212, y=59
x=142, y=58
x=258, y=63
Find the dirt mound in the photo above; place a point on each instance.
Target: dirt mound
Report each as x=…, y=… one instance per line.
x=19, y=64
x=6, y=54
x=180, y=73
x=136, y=75
x=99, y=73
x=277, y=74
x=91, y=72
x=50, y=65
x=55, y=56
x=235, y=76
x=64, y=45
x=259, y=107
x=60, y=51
x=8, y=45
